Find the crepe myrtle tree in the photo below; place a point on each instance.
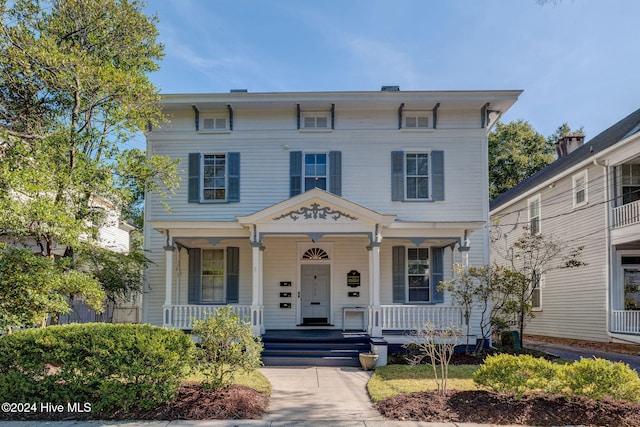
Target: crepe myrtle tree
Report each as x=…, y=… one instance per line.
x=531, y=255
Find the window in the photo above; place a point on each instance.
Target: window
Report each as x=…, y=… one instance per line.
x=213, y=276
x=580, y=189
x=315, y=171
x=417, y=176
x=534, y=215
x=418, y=275
x=214, y=177
x=416, y=122
x=315, y=121
x=630, y=180
x=214, y=123
x=536, y=292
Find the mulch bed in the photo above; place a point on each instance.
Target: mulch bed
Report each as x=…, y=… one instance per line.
x=192, y=403
x=492, y=408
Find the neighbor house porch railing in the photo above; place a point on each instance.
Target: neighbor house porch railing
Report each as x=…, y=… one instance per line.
x=625, y=321
x=410, y=317
x=627, y=214
x=180, y=316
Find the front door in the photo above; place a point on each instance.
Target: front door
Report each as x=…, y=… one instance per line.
x=314, y=294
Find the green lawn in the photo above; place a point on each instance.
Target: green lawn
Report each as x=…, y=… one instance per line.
x=253, y=379
x=390, y=380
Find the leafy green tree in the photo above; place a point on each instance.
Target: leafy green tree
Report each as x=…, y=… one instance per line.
x=32, y=286
x=516, y=151
x=74, y=90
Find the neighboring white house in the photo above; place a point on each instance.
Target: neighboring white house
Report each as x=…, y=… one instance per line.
x=334, y=210
x=590, y=198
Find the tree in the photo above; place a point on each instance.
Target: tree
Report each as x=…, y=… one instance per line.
x=74, y=89
x=516, y=151
x=531, y=256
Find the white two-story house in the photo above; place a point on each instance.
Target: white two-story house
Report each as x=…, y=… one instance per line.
x=590, y=198
x=333, y=210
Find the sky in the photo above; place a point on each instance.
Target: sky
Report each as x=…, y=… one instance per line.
x=578, y=61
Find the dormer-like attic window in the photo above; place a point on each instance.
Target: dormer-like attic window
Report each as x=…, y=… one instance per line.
x=214, y=122
x=315, y=120
x=417, y=120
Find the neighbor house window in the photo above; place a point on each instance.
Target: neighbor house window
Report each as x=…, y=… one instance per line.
x=580, y=189
x=214, y=185
x=630, y=180
x=418, y=275
x=534, y=215
x=536, y=292
x=213, y=277
x=315, y=171
x=417, y=176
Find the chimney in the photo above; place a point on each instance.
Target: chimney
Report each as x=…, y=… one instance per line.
x=567, y=144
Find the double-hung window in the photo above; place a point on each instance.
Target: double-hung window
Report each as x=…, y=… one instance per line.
x=416, y=275
x=536, y=291
x=580, y=189
x=214, y=177
x=630, y=182
x=315, y=171
x=534, y=215
x=213, y=276
x=417, y=176
x=214, y=182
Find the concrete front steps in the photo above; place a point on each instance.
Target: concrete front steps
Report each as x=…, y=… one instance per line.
x=313, y=348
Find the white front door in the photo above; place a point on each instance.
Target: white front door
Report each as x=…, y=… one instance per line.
x=314, y=297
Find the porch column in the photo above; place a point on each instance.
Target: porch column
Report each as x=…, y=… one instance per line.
x=375, y=313
x=257, y=291
x=168, y=251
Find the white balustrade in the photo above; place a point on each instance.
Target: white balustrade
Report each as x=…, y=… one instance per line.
x=625, y=321
x=627, y=214
x=180, y=316
x=411, y=317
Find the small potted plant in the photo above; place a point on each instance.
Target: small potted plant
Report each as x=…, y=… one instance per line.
x=368, y=360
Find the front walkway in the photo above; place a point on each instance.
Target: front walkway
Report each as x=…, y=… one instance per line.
x=319, y=393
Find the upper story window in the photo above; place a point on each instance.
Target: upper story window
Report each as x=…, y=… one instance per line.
x=630, y=180
x=214, y=182
x=315, y=171
x=417, y=176
x=214, y=122
x=214, y=177
x=417, y=121
x=315, y=121
x=580, y=189
x=534, y=215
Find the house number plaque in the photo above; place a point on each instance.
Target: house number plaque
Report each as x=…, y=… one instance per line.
x=353, y=279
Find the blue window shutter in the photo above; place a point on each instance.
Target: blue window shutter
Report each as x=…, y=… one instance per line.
x=437, y=175
x=233, y=166
x=233, y=271
x=194, y=178
x=399, y=274
x=295, y=173
x=335, y=172
x=397, y=175
x=437, y=274
x=194, y=276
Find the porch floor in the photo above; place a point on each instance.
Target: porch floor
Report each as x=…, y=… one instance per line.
x=313, y=347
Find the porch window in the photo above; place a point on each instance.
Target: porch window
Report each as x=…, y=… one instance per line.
x=534, y=215
x=418, y=275
x=630, y=180
x=213, y=276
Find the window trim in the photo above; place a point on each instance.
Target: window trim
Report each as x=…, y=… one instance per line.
x=226, y=178
x=538, y=199
x=582, y=175
x=428, y=275
x=224, y=276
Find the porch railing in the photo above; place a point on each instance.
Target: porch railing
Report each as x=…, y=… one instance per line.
x=627, y=214
x=180, y=316
x=409, y=317
x=625, y=321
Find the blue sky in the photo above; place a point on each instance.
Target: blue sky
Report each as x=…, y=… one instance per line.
x=577, y=61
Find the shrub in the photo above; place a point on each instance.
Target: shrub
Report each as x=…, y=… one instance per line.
x=595, y=378
x=227, y=344
x=518, y=374
x=108, y=366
